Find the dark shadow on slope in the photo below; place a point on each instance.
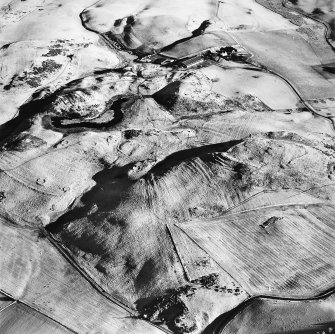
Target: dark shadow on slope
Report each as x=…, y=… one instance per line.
x=112, y=184
x=6, y=299
x=178, y=157
x=197, y=32
x=168, y=95
x=24, y=120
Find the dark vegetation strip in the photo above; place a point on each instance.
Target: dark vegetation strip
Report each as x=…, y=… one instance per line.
x=116, y=107
x=195, y=33
x=177, y=252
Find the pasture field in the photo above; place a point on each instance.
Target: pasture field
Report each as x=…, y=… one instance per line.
x=277, y=252
x=40, y=187
x=196, y=262
x=324, y=107
x=19, y=318
x=157, y=24
x=249, y=16
x=130, y=190
x=271, y=90
x=238, y=124
x=33, y=56
x=199, y=182
x=264, y=316
x=211, y=186
x=290, y=56
x=34, y=272
x=25, y=22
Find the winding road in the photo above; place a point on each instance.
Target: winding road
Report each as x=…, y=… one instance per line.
x=219, y=325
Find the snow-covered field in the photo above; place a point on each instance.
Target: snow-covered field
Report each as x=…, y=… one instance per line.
x=141, y=197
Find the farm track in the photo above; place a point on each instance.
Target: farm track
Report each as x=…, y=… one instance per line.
x=9, y=305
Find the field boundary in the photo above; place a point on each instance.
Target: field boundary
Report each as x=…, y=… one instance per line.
x=17, y=301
